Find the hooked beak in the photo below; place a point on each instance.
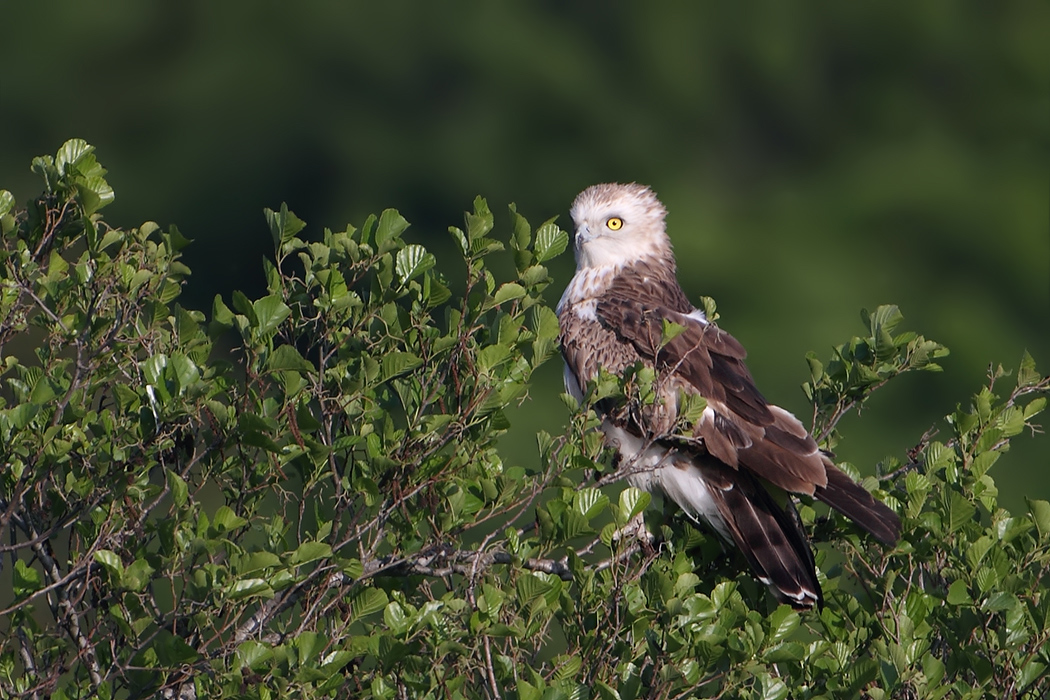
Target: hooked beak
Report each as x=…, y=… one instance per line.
x=583, y=235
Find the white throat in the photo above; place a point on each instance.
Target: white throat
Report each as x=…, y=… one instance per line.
x=588, y=284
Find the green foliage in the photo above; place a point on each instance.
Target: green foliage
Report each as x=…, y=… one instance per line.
x=863, y=365
x=321, y=510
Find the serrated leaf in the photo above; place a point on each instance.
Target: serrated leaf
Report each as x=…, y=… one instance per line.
x=492, y=356
x=590, y=502
x=137, y=575
x=960, y=511
x=412, y=261
x=460, y=238
x=225, y=520
x=184, y=370
x=543, y=322
x=395, y=364
x=26, y=579
x=782, y=622
x=286, y=357
x=1034, y=407
x=551, y=241
x=111, y=562
x=1040, y=511
x=153, y=368
x=632, y=502
x=530, y=588
x=480, y=221
x=71, y=152
x=669, y=331
x=252, y=654
x=508, y=292
x=1030, y=672
x=259, y=560
x=247, y=587
x=311, y=551
x=171, y=650
x=1027, y=375
x=270, y=312
x=391, y=225
x=366, y=601
x=283, y=224
x=7, y=202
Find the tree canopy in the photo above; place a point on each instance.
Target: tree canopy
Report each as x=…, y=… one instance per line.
x=303, y=494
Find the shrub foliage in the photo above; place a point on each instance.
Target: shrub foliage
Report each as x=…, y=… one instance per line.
x=301, y=495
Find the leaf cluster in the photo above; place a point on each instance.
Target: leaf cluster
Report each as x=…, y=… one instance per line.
x=302, y=494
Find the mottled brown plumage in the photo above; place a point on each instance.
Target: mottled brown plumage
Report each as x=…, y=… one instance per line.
x=613, y=316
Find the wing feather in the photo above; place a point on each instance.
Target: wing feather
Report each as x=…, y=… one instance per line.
x=745, y=429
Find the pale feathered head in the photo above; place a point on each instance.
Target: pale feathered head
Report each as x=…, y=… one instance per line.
x=617, y=225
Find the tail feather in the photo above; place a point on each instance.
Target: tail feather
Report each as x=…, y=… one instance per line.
x=853, y=500
x=742, y=511
x=775, y=548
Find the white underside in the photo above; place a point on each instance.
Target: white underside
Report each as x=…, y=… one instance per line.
x=658, y=470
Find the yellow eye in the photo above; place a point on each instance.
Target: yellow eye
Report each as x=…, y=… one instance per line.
x=615, y=223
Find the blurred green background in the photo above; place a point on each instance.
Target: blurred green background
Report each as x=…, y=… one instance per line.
x=816, y=158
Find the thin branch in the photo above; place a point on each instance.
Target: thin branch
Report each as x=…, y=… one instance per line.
x=72, y=617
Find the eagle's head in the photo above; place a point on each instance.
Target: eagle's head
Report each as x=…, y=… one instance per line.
x=617, y=225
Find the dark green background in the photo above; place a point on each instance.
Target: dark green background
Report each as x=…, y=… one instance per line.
x=816, y=158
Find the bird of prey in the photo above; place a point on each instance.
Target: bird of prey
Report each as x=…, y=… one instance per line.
x=732, y=467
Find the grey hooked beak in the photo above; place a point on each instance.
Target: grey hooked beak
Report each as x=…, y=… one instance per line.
x=583, y=234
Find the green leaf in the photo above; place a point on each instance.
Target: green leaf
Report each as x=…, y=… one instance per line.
x=225, y=520
x=286, y=357
x=172, y=651
x=958, y=593
x=248, y=587
x=479, y=223
x=1034, y=407
x=27, y=580
x=153, y=368
x=551, y=241
x=111, y=562
x=270, y=312
x=412, y=261
x=311, y=551
x=395, y=364
x=530, y=588
x=782, y=622
x=670, y=331
x=1040, y=511
x=508, y=292
x=772, y=688
x=960, y=511
x=1030, y=672
x=185, y=372
x=253, y=655
x=632, y=502
x=492, y=356
x=590, y=502
x=7, y=202
x=259, y=560
x=72, y=152
x=178, y=488
x=1027, y=375
x=137, y=576
x=283, y=224
x=366, y=601
x=391, y=225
